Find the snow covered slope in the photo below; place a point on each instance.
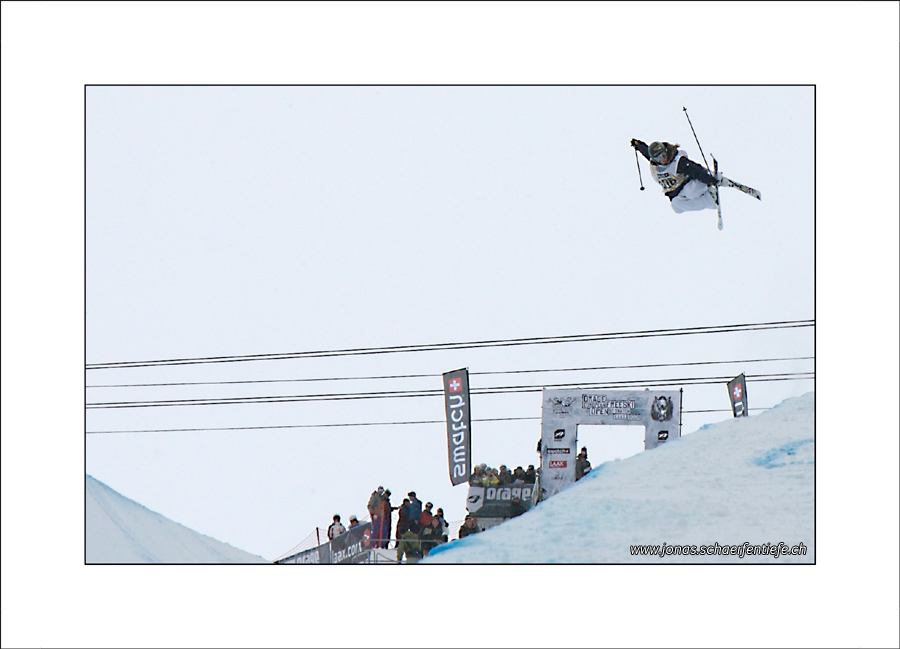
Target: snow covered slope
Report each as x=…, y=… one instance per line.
x=743, y=483
x=119, y=530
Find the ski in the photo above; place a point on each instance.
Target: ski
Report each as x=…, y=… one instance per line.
x=725, y=182
x=718, y=198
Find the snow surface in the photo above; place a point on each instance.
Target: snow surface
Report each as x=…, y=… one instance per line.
x=745, y=480
x=742, y=482
x=119, y=530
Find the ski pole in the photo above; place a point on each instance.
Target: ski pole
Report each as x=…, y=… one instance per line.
x=695, y=137
x=639, y=169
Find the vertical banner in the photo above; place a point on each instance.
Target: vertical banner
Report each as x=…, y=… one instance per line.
x=737, y=390
x=459, y=434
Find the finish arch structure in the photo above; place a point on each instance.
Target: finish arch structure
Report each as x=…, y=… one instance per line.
x=659, y=411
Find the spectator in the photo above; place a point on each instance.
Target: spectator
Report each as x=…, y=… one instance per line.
x=354, y=521
x=519, y=474
x=476, y=477
x=386, y=517
x=490, y=478
x=504, y=477
x=426, y=515
x=584, y=451
x=516, y=508
x=415, y=508
x=376, y=513
x=403, y=518
x=336, y=528
x=530, y=475
x=469, y=527
x=409, y=545
x=445, y=529
x=430, y=535
x=582, y=466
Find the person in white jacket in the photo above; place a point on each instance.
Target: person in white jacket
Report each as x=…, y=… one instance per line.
x=336, y=528
x=687, y=185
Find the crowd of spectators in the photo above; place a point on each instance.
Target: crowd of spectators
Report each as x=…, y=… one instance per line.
x=485, y=476
x=420, y=527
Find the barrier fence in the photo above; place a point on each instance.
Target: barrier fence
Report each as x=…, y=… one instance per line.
x=356, y=545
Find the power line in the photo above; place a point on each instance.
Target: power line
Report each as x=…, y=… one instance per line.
x=433, y=393
x=429, y=376
x=352, y=424
x=460, y=345
x=370, y=423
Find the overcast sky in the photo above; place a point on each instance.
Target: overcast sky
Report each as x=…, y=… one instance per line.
x=242, y=220
x=257, y=220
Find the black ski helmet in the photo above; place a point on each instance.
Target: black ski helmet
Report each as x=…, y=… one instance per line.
x=656, y=151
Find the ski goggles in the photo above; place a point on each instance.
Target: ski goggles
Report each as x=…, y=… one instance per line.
x=657, y=152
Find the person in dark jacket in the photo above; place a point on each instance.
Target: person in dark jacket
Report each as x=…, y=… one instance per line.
x=415, y=508
x=403, y=518
x=582, y=466
x=686, y=184
x=530, y=475
x=430, y=535
x=410, y=545
x=516, y=507
x=469, y=527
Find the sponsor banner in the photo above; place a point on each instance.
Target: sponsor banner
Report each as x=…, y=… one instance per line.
x=563, y=409
x=350, y=547
x=496, y=502
x=353, y=545
x=737, y=391
x=459, y=434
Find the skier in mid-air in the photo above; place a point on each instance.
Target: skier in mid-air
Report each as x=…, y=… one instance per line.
x=687, y=185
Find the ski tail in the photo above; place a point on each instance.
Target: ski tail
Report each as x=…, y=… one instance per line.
x=725, y=182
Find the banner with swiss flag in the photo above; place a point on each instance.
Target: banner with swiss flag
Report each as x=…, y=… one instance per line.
x=459, y=433
x=737, y=390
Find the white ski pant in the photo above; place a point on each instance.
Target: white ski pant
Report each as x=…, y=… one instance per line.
x=695, y=195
